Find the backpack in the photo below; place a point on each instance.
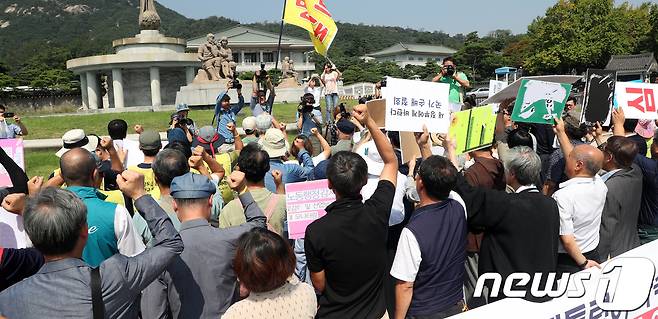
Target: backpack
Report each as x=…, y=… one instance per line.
x=269, y=209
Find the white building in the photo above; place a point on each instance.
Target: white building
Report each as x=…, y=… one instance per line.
x=404, y=54
x=251, y=47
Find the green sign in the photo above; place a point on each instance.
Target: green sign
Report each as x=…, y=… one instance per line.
x=473, y=129
x=539, y=101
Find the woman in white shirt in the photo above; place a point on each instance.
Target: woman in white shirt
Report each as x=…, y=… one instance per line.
x=330, y=79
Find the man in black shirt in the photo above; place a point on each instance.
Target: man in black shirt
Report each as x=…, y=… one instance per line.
x=346, y=249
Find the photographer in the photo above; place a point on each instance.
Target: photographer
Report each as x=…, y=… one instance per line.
x=259, y=103
x=457, y=81
x=227, y=113
x=330, y=79
x=183, y=112
x=178, y=130
x=314, y=86
x=11, y=130
x=306, y=117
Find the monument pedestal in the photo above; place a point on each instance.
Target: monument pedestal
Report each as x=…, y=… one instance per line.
x=204, y=93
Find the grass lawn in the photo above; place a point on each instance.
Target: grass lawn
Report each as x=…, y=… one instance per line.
x=46, y=127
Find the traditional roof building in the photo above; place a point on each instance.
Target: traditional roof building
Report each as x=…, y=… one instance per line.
x=633, y=67
x=404, y=54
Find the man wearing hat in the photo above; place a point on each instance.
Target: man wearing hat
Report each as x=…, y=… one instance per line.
x=226, y=113
x=250, y=130
x=77, y=138
x=275, y=144
x=345, y=129
x=190, y=288
x=183, y=111
x=150, y=144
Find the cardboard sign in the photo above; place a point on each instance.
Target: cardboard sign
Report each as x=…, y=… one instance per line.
x=599, y=94
x=305, y=202
x=409, y=147
x=512, y=90
x=637, y=99
x=377, y=111
x=473, y=129
x=539, y=101
x=411, y=104
x=13, y=148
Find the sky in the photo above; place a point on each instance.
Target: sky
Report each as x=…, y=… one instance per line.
x=461, y=16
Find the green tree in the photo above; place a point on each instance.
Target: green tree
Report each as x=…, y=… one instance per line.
x=580, y=34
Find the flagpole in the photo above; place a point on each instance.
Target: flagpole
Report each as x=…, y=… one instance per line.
x=278, y=50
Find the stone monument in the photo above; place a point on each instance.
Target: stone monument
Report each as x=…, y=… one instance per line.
x=148, y=16
x=288, y=75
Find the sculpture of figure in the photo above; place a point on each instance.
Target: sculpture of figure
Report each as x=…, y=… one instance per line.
x=225, y=64
x=288, y=69
x=208, y=54
x=148, y=16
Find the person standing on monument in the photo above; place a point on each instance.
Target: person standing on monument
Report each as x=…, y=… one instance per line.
x=259, y=102
x=330, y=79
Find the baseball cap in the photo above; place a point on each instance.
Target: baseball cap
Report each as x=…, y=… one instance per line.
x=182, y=107
x=249, y=123
x=149, y=140
x=274, y=143
x=370, y=154
x=346, y=126
x=77, y=138
x=192, y=186
x=264, y=122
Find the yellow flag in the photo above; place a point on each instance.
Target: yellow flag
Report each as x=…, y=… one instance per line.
x=314, y=17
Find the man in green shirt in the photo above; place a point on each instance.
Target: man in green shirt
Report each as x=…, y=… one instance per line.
x=458, y=81
x=255, y=163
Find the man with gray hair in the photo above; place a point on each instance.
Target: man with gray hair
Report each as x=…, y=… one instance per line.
x=67, y=287
x=520, y=229
x=581, y=200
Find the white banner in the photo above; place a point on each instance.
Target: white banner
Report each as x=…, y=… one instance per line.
x=638, y=100
x=411, y=104
x=625, y=282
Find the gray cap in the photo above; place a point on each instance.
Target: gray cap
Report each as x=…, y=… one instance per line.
x=192, y=186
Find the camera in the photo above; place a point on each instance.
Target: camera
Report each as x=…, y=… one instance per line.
x=181, y=121
x=9, y=115
x=261, y=78
x=236, y=84
x=450, y=70
x=343, y=111
x=306, y=104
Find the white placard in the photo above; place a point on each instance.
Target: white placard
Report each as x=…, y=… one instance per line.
x=12, y=232
x=411, y=104
x=495, y=87
x=638, y=100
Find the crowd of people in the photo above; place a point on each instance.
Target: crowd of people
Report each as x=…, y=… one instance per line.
x=199, y=229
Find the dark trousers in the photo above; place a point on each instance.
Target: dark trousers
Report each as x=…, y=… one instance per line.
x=453, y=310
x=566, y=264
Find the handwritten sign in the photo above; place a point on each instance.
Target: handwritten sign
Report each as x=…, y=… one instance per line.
x=473, y=129
x=306, y=202
x=637, y=99
x=539, y=101
x=13, y=148
x=411, y=104
x=599, y=94
x=12, y=232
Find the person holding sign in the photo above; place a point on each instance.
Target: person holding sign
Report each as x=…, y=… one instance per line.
x=353, y=233
x=458, y=82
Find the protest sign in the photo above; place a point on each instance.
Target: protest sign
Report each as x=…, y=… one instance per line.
x=409, y=147
x=12, y=232
x=13, y=148
x=377, y=111
x=638, y=100
x=599, y=93
x=305, y=202
x=473, y=129
x=495, y=87
x=512, y=90
x=539, y=101
x=411, y=104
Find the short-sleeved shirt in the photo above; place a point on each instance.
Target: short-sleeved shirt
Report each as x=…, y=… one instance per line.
x=580, y=201
x=455, y=87
x=258, y=109
x=150, y=185
x=317, y=92
x=233, y=213
x=349, y=245
x=330, y=82
x=9, y=130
